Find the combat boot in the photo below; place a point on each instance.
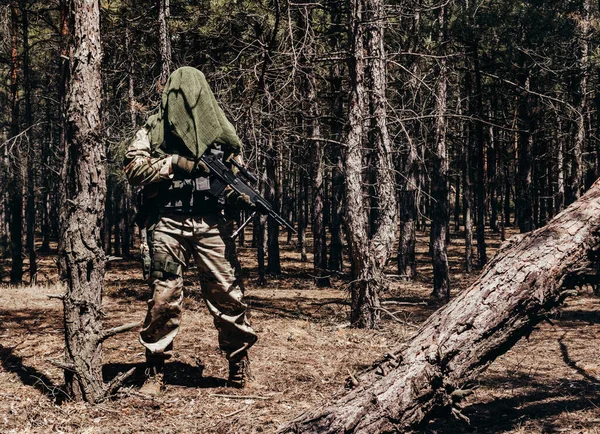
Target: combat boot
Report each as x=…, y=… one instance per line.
x=154, y=384
x=239, y=371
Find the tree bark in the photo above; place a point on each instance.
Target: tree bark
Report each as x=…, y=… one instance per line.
x=312, y=134
x=409, y=169
x=116, y=220
x=32, y=150
x=302, y=214
x=260, y=223
x=440, y=205
x=106, y=231
x=318, y=196
x=424, y=377
x=467, y=189
x=457, y=199
x=46, y=175
x=559, y=202
x=336, y=258
x=336, y=262
x=524, y=200
x=492, y=174
x=407, y=263
x=15, y=188
x=480, y=139
x=272, y=195
x=369, y=254
x=131, y=102
x=164, y=41
x=82, y=196
x=575, y=175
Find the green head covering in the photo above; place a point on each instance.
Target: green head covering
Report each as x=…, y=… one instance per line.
x=191, y=113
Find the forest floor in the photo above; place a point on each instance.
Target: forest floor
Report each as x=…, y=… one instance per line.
x=549, y=383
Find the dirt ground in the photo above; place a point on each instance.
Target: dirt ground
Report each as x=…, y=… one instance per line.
x=549, y=383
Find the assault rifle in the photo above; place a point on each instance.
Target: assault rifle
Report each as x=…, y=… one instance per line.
x=222, y=176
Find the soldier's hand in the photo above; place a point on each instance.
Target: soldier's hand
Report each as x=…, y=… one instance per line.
x=189, y=168
x=243, y=202
x=238, y=201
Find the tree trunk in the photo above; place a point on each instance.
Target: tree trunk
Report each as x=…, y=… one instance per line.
x=524, y=201
x=409, y=170
x=336, y=125
x=336, y=258
x=365, y=301
x=117, y=217
x=407, y=263
x=480, y=140
x=32, y=149
x=507, y=195
x=106, y=231
x=440, y=206
x=457, y=198
x=313, y=132
x=260, y=223
x=130, y=73
x=4, y=205
x=559, y=202
x=15, y=188
x=164, y=41
x=457, y=343
x=408, y=208
x=467, y=190
x=492, y=164
x=46, y=182
x=575, y=176
x=83, y=189
x=302, y=217
x=596, y=130
x=289, y=193
x=271, y=189
x=369, y=253
x=127, y=221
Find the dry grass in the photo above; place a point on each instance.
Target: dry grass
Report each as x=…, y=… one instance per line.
x=549, y=383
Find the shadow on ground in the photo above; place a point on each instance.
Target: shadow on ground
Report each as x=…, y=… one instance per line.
x=533, y=399
x=30, y=376
x=176, y=374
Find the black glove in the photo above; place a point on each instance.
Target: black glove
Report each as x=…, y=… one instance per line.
x=238, y=201
x=243, y=202
x=189, y=168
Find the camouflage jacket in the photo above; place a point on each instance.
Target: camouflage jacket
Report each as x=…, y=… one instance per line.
x=141, y=167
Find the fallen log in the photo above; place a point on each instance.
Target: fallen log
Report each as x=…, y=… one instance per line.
x=429, y=374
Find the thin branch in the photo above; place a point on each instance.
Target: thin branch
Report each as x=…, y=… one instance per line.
x=405, y=303
x=222, y=395
x=63, y=365
x=115, y=330
x=395, y=318
x=532, y=92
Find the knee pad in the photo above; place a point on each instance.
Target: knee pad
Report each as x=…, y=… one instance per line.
x=164, y=265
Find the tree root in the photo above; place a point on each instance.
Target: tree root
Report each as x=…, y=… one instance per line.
x=116, y=383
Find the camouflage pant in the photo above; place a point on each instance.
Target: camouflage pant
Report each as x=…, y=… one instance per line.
x=175, y=239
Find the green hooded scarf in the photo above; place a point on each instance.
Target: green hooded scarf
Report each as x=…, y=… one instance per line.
x=190, y=112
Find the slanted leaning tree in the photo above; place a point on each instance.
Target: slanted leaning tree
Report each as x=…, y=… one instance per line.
x=430, y=373
x=83, y=193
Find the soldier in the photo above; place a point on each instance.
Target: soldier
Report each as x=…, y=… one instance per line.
x=185, y=222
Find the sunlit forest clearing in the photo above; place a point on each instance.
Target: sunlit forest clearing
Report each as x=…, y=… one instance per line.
x=306, y=352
